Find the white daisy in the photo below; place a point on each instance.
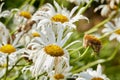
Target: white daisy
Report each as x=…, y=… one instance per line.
x=113, y=3
x=91, y=74
x=49, y=15
x=47, y=50
x=20, y=16
x=114, y=28
x=105, y=9
x=8, y=47
x=109, y=8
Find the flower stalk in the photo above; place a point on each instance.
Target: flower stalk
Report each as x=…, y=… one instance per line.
x=81, y=56
x=97, y=61
x=7, y=64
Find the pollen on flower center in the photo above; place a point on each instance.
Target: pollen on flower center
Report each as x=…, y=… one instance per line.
x=54, y=50
x=59, y=76
x=25, y=14
x=35, y=34
x=8, y=48
x=117, y=31
x=59, y=18
x=96, y=78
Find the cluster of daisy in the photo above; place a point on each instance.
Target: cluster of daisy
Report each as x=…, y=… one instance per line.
x=47, y=50
x=40, y=39
x=107, y=7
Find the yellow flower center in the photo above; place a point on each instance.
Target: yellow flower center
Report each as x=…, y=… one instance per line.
x=25, y=14
x=96, y=78
x=35, y=34
x=54, y=50
x=59, y=18
x=59, y=76
x=117, y=31
x=8, y=48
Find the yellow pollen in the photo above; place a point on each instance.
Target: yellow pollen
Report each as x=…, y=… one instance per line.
x=117, y=31
x=8, y=48
x=59, y=18
x=54, y=50
x=59, y=76
x=96, y=78
x=25, y=14
x=35, y=34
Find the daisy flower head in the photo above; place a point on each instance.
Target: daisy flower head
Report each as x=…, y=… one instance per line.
x=60, y=15
x=8, y=48
x=21, y=16
x=113, y=28
x=113, y=3
x=49, y=51
x=24, y=12
x=110, y=7
x=8, y=45
x=105, y=9
x=91, y=74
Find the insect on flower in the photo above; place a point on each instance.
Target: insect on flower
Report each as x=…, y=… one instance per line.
x=92, y=41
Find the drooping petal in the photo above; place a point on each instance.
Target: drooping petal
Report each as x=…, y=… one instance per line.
x=73, y=11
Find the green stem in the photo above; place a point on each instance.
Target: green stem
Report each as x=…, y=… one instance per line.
x=86, y=7
x=15, y=64
x=113, y=55
x=80, y=57
x=95, y=28
x=39, y=76
x=25, y=2
x=76, y=50
x=12, y=32
x=7, y=62
x=97, y=62
x=31, y=3
x=41, y=3
x=8, y=71
x=18, y=77
x=8, y=19
x=105, y=35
